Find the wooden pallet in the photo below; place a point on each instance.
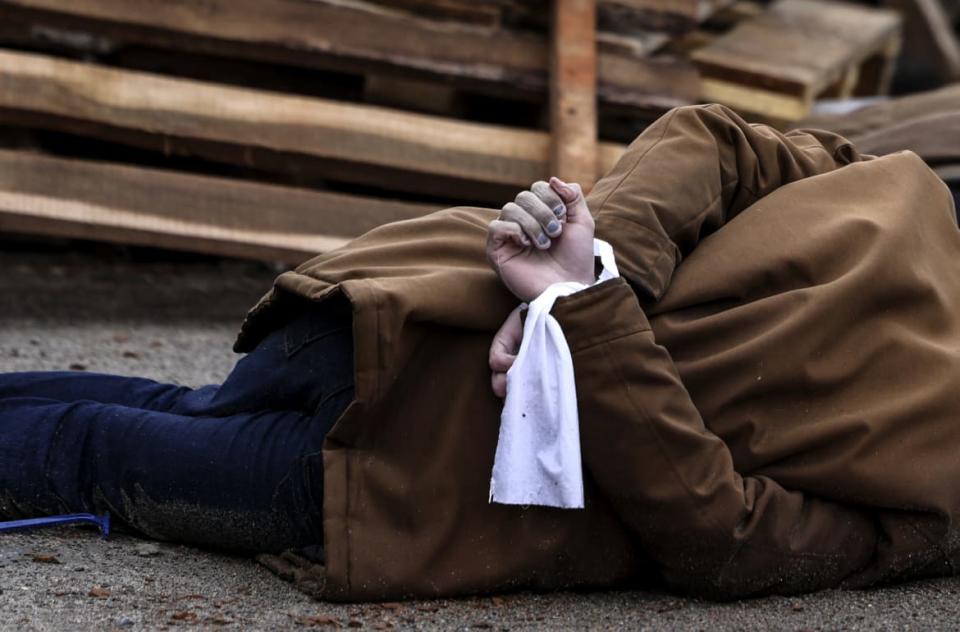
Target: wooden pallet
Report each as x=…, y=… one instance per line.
x=348, y=142
x=776, y=64
x=313, y=141
x=431, y=56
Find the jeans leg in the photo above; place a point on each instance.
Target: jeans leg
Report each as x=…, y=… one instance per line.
x=237, y=466
x=240, y=482
x=73, y=386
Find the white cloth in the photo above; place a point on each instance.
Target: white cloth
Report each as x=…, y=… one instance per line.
x=538, y=452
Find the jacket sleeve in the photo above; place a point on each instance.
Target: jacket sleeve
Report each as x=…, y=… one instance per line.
x=710, y=530
x=689, y=173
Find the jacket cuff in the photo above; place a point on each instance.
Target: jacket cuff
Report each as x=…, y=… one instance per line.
x=598, y=314
x=652, y=256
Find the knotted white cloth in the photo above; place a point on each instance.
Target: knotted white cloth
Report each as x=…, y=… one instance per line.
x=538, y=453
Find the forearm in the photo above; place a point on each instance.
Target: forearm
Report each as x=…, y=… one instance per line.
x=711, y=530
x=689, y=173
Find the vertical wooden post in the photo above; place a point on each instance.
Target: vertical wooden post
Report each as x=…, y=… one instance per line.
x=573, y=91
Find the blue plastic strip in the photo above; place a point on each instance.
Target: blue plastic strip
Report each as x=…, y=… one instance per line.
x=102, y=522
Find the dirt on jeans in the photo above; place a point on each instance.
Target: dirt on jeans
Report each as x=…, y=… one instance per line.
x=174, y=320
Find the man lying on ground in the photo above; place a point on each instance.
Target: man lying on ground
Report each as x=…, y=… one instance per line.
x=768, y=397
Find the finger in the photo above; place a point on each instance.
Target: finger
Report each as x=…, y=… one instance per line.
x=512, y=212
x=549, y=197
x=510, y=333
x=500, y=360
x=533, y=205
x=572, y=196
x=500, y=232
x=504, y=241
x=499, y=383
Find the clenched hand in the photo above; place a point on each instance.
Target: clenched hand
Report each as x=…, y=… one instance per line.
x=543, y=237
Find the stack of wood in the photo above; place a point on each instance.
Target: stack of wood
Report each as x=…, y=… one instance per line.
x=275, y=129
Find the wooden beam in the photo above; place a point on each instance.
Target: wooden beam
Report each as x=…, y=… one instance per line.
x=573, y=92
x=352, y=37
x=129, y=205
x=340, y=141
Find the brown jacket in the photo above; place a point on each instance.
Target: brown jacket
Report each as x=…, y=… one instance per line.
x=769, y=400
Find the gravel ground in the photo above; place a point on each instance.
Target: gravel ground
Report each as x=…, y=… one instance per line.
x=175, y=321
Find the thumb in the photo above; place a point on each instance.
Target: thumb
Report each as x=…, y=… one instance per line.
x=572, y=196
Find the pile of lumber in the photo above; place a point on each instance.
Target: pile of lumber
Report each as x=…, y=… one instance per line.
x=275, y=129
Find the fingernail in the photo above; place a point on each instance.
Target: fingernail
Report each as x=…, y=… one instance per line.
x=560, y=210
x=543, y=240
x=553, y=227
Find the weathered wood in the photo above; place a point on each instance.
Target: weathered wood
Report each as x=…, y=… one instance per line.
x=777, y=63
x=87, y=200
x=351, y=37
x=573, y=92
x=341, y=141
x=410, y=94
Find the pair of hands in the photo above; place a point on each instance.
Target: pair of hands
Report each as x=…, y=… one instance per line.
x=544, y=236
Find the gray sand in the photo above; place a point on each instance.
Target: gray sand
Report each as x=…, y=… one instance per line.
x=176, y=322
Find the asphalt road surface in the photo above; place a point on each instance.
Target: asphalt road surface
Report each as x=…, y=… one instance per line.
x=174, y=320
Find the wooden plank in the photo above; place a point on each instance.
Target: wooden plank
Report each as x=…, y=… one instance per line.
x=350, y=37
x=573, y=92
x=410, y=94
x=307, y=136
x=777, y=63
x=86, y=200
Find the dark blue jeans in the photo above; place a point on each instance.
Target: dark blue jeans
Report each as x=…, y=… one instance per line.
x=235, y=466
